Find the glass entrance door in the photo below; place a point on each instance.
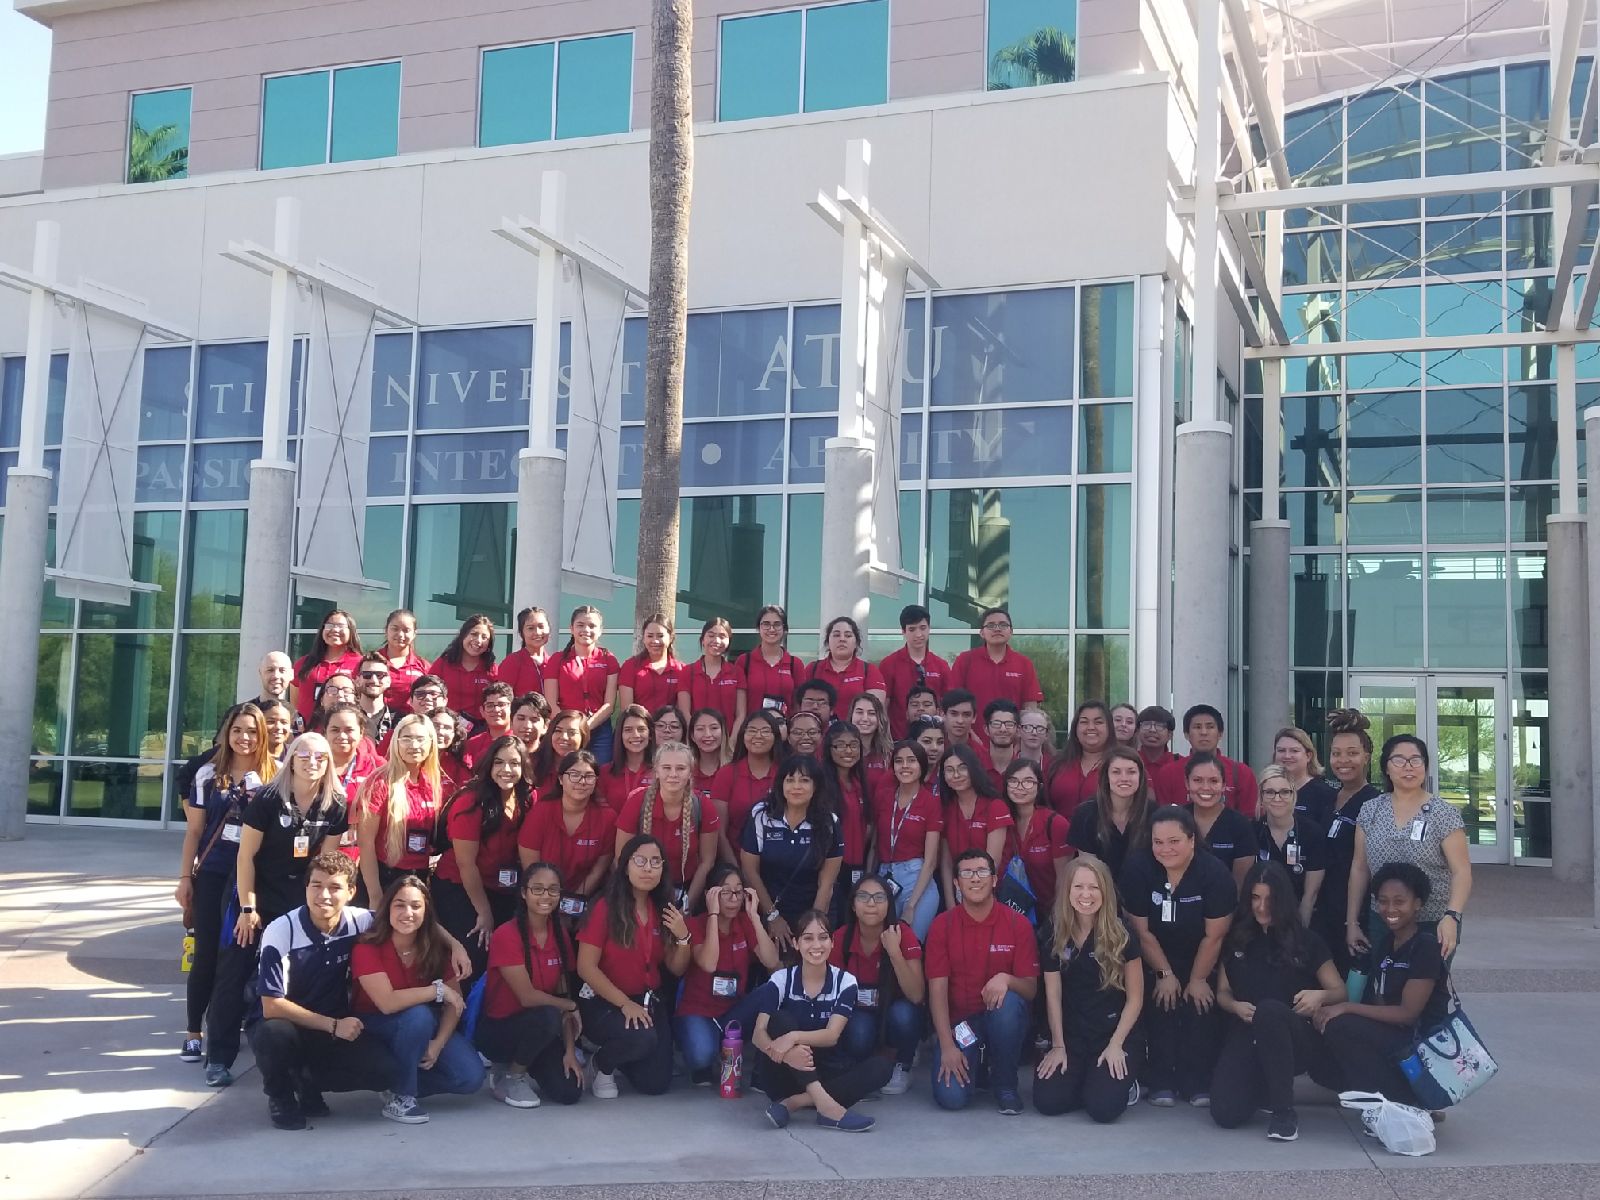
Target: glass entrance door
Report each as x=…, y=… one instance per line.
x=1464, y=719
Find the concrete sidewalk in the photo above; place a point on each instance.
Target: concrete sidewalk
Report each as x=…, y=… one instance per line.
x=94, y=1102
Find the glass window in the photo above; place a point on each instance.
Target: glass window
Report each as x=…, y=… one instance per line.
x=386, y=466
x=1385, y=615
x=594, y=86
x=216, y=569
x=1530, y=610
x=475, y=378
x=1384, y=438
x=758, y=67
x=1312, y=258
x=13, y=372
x=158, y=476
x=461, y=563
x=738, y=363
x=340, y=116
x=1384, y=518
x=1102, y=670
x=1314, y=517
x=391, y=382
x=1032, y=42
x=164, y=393
x=1463, y=134
x=728, y=558
x=1003, y=347
x=516, y=96
x=158, y=136
x=366, y=112
x=1466, y=610
x=1457, y=515
x=221, y=471
x=1314, y=145
x=294, y=120
x=994, y=443
x=1531, y=506
x=1105, y=542
x=44, y=788
x=120, y=695
x=1466, y=436
x=381, y=545
x=976, y=535
x=1108, y=324
x=1383, y=252
x=1385, y=143
x=1314, y=611
x=1528, y=241
x=207, y=665
x=815, y=387
x=465, y=464
x=847, y=55
x=1311, y=454
x=120, y=791
x=155, y=560
x=1466, y=246
x=231, y=384
x=51, y=693
x=1530, y=735
x=1105, y=438
x=1316, y=693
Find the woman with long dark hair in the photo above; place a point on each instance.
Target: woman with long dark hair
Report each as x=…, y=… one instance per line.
x=622, y=952
x=975, y=818
x=400, y=655
x=907, y=827
x=584, y=678
x=568, y=733
x=629, y=768
x=712, y=681
x=523, y=668
x=529, y=1025
x=574, y=831
x=652, y=677
x=708, y=741
x=770, y=671
x=885, y=956
x=337, y=651
x=1073, y=774
x=848, y=796
x=1038, y=835
x=748, y=778
x=792, y=847
x=467, y=665
x=1117, y=816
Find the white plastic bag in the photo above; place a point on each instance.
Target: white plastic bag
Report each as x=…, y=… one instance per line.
x=1401, y=1128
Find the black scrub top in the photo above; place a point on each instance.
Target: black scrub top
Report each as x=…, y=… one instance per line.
x=1205, y=892
x=1304, y=849
x=1083, y=833
x=1315, y=800
x=1089, y=1013
x=280, y=872
x=1340, y=843
x=1232, y=836
x=1419, y=958
x=1258, y=971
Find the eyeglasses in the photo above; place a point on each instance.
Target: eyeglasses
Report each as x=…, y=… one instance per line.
x=337, y=627
x=1022, y=781
x=413, y=739
x=1152, y=724
x=543, y=889
x=1002, y=724
x=1406, y=760
x=873, y=897
x=310, y=755
x=647, y=864
x=427, y=696
x=497, y=705
x=974, y=872
x=374, y=674
x=582, y=776
x=1032, y=727
x=771, y=625
x=996, y=626
x=1276, y=793
x=733, y=894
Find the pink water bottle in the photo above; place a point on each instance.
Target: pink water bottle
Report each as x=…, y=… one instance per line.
x=732, y=1061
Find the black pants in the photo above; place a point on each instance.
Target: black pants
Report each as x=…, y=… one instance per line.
x=1259, y=1062
x=1088, y=1085
x=849, y=1085
x=457, y=915
x=1327, y=922
x=643, y=1055
x=531, y=1038
x=1366, y=1054
x=211, y=894
x=294, y=1061
x=1183, y=1046
x=233, y=993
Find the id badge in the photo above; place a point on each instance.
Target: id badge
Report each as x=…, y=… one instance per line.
x=302, y=846
x=1291, y=854
x=230, y=833
x=573, y=906
x=586, y=992
x=347, y=838
x=417, y=843
x=725, y=987
x=868, y=997
x=855, y=875
x=1419, y=827
x=508, y=879
x=771, y=704
x=966, y=1037
x=1333, y=829
x=1169, y=911
x=680, y=898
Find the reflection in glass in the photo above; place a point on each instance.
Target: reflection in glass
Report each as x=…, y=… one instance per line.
x=1314, y=612
x=1105, y=543
x=1383, y=252
x=990, y=443
x=44, y=788
x=999, y=546
x=1311, y=454
x=158, y=135
x=1465, y=758
x=1532, y=417
x=1315, y=517
x=847, y=55
x=164, y=393
x=1102, y=672
x=1381, y=518
x=728, y=560
x=1530, y=765
x=117, y=791
x=294, y=120
x=1107, y=337
x=381, y=542
x=1384, y=438
x=1466, y=610
x=1003, y=347
x=216, y=569
x=155, y=560
x=1460, y=516
x=207, y=662
x=1530, y=611
x=1385, y=613
x=461, y=563
x=120, y=696
x=1466, y=436
x=1316, y=693
x=516, y=94
x=758, y=66
x=1311, y=258
x=1032, y=42
x=1531, y=506
x=1105, y=441
x=51, y=694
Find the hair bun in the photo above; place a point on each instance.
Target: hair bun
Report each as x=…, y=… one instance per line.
x=1348, y=720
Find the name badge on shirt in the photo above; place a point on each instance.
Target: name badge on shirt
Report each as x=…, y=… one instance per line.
x=725, y=987
x=230, y=833
x=347, y=838
x=302, y=846
x=416, y=843
x=966, y=1037
x=867, y=997
x=1333, y=829
x=573, y=906
x=1419, y=827
x=508, y=879
x=1168, y=909
x=855, y=875
x=771, y=704
x=1291, y=853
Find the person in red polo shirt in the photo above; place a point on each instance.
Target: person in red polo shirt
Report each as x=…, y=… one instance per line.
x=910, y=666
x=1153, y=737
x=337, y=652
x=960, y=714
x=524, y=669
x=770, y=671
x=748, y=779
x=584, y=678
x=405, y=665
x=995, y=671
x=629, y=768
x=653, y=676
x=982, y=964
x=885, y=957
x=1202, y=727
x=496, y=714
x=711, y=681
x=573, y=831
x=1074, y=774
x=467, y=665
x=842, y=667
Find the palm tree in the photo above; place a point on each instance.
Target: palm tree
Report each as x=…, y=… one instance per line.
x=671, y=185
x=149, y=158
x=1045, y=56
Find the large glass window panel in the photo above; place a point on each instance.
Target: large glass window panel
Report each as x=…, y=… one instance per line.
x=1385, y=143
x=1530, y=764
x=1316, y=694
x=474, y=378
x=120, y=695
x=989, y=546
x=1528, y=241
x=808, y=437
x=1311, y=454
x=1003, y=347
x=847, y=55
x=1467, y=610
x=1531, y=506
x=158, y=135
x=220, y=472
x=516, y=95
x=1102, y=672
x=1032, y=42
x=1314, y=517
x=366, y=112
x=294, y=120
x=732, y=454
x=117, y=791
x=461, y=563
x=231, y=387
x=1458, y=515
x=1108, y=321
x=1380, y=313
x=391, y=382
x=1385, y=615
x=1315, y=608
x=44, y=788
x=1105, y=544
x=1527, y=100
x=164, y=394
x=1463, y=132
x=728, y=558
x=1314, y=146
x=207, y=662
x=1384, y=438
x=1382, y=371
x=155, y=560
x=51, y=693
x=913, y=350
x=1383, y=252
x=13, y=372
x=1312, y=258
x=466, y=464
x=741, y=364
x=995, y=443
x=386, y=466
x=1530, y=611
x=216, y=569
x=758, y=69
x=1105, y=438
x=382, y=541
x=1466, y=436
x=1466, y=246
x=1384, y=517
x=594, y=86
x=815, y=358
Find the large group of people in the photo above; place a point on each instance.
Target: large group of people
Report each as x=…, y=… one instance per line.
x=558, y=871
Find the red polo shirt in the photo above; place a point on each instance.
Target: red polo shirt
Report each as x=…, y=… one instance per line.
x=903, y=833
x=735, y=950
x=464, y=687
x=868, y=968
x=770, y=685
x=900, y=675
x=969, y=953
x=740, y=791
x=1012, y=678
x=497, y=854
x=682, y=860
x=401, y=677
x=852, y=821
x=616, y=788
x=1070, y=786
x=720, y=693
x=972, y=833
x=1042, y=846
x=580, y=681
x=634, y=969
x=1238, y=784
x=544, y=833
x=506, y=950
x=522, y=671
x=858, y=676
x=381, y=958
x=308, y=685
x=416, y=844
x=652, y=688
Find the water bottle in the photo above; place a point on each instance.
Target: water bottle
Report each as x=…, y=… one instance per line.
x=186, y=959
x=732, y=1061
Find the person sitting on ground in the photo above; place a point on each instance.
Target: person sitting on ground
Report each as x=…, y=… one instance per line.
x=885, y=957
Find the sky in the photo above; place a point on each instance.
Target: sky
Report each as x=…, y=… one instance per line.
x=24, y=80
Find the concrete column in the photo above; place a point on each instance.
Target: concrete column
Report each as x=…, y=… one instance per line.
x=268, y=560
x=1591, y=419
x=1567, y=744
x=847, y=531
x=1203, y=468
x=22, y=564
x=541, y=488
x=1268, y=636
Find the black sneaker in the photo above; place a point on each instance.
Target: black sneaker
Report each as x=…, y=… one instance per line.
x=313, y=1105
x=1010, y=1104
x=190, y=1051
x=1283, y=1125
x=286, y=1114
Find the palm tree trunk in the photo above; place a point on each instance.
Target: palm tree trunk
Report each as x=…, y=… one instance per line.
x=671, y=184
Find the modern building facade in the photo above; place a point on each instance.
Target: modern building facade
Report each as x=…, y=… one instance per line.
x=1038, y=155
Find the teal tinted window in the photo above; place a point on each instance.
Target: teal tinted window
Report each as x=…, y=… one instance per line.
x=1108, y=319
x=294, y=120
x=366, y=112
x=516, y=96
x=158, y=136
x=758, y=72
x=594, y=86
x=1032, y=42
x=1105, y=541
x=847, y=55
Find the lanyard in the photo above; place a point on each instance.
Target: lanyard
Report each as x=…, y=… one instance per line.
x=894, y=825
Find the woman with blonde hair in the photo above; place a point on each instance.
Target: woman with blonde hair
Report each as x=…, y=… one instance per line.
x=399, y=807
x=668, y=808
x=1294, y=751
x=1094, y=993
x=1291, y=839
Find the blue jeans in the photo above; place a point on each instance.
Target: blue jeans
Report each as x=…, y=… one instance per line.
x=868, y=1028
x=700, y=1040
x=1001, y=1032
x=600, y=739
x=456, y=1072
x=905, y=874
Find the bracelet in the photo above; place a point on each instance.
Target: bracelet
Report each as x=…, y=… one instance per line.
x=1453, y=915
x=333, y=1026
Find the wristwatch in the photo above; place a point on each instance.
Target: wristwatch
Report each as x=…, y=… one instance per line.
x=438, y=991
x=680, y=941
x=1450, y=912
x=246, y=908
x=1163, y=974
x=772, y=916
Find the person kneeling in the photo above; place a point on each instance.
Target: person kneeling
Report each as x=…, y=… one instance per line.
x=304, y=1040
x=408, y=997
x=805, y=1010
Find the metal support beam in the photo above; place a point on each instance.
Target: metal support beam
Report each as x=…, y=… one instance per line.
x=1233, y=289
x=1567, y=15
x=1417, y=345
x=1564, y=175
x=1268, y=119
x=1255, y=271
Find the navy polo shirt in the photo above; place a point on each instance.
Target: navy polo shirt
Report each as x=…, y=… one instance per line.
x=1305, y=848
x=1231, y=836
x=785, y=992
x=311, y=968
x=790, y=863
x=1205, y=892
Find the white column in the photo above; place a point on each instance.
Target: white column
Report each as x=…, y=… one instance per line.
x=1592, y=436
x=269, y=521
x=22, y=549
x=1207, y=163
x=1568, y=744
x=1150, y=415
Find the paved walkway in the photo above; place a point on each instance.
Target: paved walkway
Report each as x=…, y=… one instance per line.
x=93, y=1101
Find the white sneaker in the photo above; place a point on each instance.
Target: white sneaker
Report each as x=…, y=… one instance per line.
x=1134, y=1093
x=604, y=1086
x=513, y=1090
x=899, y=1081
